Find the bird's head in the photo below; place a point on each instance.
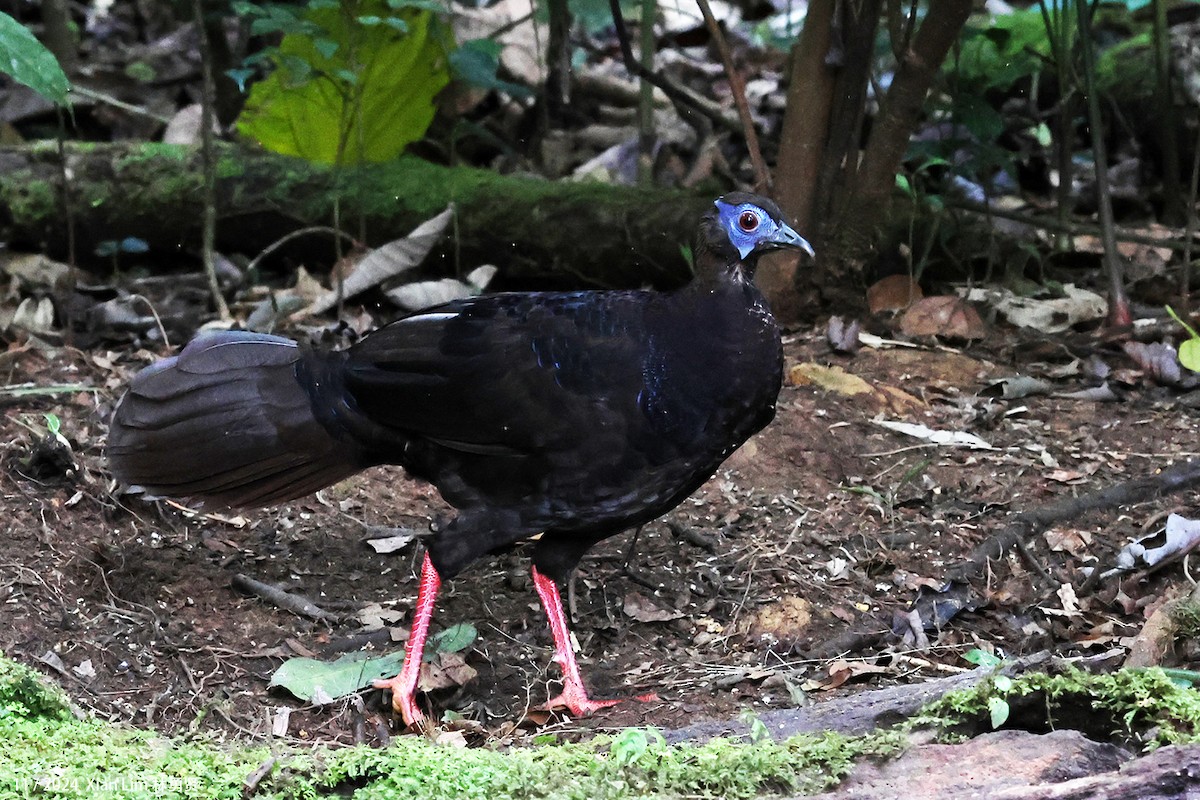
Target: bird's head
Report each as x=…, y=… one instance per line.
x=738, y=229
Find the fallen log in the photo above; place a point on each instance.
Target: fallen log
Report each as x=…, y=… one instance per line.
x=541, y=234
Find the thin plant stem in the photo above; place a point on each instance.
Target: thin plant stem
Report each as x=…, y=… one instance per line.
x=762, y=176
x=208, y=158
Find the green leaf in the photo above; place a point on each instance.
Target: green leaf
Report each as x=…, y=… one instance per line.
x=53, y=423
x=998, y=710
x=374, y=95
x=1189, y=354
x=1189, y=350
x=351, y=672
x=326, y=47
x=453, y=639
x=239, y=76
x=477, y=61
x=903, y=185
x=29, y=62
x=629, y=745
x=1043, y=135
x=982, y=658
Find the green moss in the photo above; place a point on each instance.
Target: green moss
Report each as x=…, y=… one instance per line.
x=229, y=166
x=89, y=759
x=605, y=768
x=29, y=201
x=48, y=753
x=25, y=695
x=153, y=154
x=1186, y=616
x=1131, y=705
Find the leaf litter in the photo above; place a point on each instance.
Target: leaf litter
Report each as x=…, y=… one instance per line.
x=770, y=569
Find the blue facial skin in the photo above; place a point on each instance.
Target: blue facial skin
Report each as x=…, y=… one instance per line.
x=767, y=232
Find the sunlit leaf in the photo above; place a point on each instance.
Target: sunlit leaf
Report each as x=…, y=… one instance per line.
x=29, y=62
x=366, y=101
x=998, y=711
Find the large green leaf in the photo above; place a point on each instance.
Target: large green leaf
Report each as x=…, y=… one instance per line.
x=29, y=62
x=351, y=672
x=375, y=88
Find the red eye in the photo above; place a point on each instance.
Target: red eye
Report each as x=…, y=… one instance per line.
x=748, y=221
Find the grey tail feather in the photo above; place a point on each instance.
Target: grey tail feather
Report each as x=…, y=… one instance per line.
x=231, y=420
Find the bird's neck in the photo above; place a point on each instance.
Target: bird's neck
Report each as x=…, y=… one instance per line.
x=731, y=281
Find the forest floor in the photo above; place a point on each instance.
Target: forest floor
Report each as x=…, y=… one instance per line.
x=786, y=579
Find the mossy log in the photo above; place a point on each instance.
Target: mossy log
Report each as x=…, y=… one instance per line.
x=539, y=233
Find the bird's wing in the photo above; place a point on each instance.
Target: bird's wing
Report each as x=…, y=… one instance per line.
x=508, y=373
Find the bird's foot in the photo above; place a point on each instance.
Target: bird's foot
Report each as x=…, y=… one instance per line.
x=574, y=698
x=404, y=700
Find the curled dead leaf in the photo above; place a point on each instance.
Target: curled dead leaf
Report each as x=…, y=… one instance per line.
x=446, y=671
x=641, y=608
x=944, y=316
x=893, y=293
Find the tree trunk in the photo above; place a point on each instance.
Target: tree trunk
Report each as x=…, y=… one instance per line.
x=837, y=194
x=801, y=150
x=855, y=223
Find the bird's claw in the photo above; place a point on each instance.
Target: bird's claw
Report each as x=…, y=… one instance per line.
x=404, y=701
x=575, y=700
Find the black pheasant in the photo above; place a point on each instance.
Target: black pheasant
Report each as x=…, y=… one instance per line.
x=576, y=415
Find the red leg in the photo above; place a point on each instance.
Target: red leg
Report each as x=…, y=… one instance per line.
x=404, y=685
x=574, y=696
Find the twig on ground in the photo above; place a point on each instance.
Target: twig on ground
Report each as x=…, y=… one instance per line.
x=250, y=785
x=281, y=241
x=1034, y=564
x=692, y=536
x=1024, y=525
x=1177, y=244
x=281, y=598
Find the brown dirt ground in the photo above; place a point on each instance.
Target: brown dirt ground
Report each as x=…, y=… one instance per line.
x=823, y=526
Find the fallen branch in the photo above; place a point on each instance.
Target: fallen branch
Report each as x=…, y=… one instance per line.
x=281, y=598
x=1025, y=525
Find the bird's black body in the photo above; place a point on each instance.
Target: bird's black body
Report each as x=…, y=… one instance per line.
x=575, y=414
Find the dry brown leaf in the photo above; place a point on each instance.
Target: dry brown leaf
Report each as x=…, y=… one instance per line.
x=1068, y=540
x=893, y=293
x=1067, y=476
x=831, y=379
x=841, y=671
x=945, y=316
x=1070, y=603
x=641, y=608
x=447, y=670
x=898, y=401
